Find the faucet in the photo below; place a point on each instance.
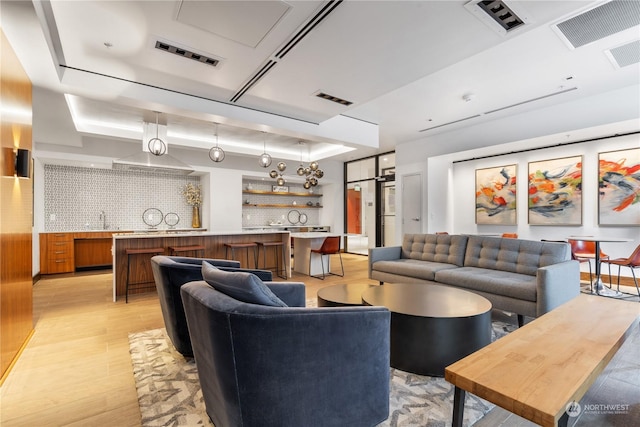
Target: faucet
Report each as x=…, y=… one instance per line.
x=103, y=218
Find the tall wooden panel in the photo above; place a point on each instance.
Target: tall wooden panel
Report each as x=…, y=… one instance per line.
x=16, y=210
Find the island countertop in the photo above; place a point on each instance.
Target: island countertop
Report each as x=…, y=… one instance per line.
x=152, y=234
x=137, y=267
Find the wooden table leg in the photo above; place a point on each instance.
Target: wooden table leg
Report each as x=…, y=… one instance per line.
x=458, y=407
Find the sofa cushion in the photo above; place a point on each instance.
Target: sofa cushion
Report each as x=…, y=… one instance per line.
x=513, y=255
x=441, y=248
x=411, y=268
x=245, y=287
x=514, y=285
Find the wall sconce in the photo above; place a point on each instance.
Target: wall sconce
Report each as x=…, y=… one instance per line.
x=16, y=163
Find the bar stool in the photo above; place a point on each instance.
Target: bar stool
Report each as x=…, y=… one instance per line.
x=278, y=249
x=247, y=246
x=134, y=252
x=198, y=250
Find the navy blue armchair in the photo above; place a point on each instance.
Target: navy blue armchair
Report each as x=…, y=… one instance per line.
x=170, y=273
x=274, y=365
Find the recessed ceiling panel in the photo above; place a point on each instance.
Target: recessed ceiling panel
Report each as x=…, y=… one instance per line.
x=245, y=22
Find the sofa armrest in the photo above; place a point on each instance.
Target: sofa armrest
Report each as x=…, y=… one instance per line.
x=291, y=293
x=556, y=284
x=386, y=253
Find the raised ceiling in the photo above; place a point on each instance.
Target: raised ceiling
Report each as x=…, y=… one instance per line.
x=412, y=70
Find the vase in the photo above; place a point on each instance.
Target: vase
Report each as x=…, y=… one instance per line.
x=195, y=220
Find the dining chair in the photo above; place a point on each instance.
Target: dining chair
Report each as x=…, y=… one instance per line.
x=584, y=251
x=330, y=246
x=632, y=263
x=510, y=235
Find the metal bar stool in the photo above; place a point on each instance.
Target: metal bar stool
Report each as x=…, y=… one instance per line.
x=278, y=249
x=198, y=250
x=135, y=285
x=247, y=246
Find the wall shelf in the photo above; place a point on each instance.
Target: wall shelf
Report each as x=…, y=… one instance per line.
x=277, y=193
x=277, y=205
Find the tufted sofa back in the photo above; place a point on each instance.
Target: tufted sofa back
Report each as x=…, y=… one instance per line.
x=514, y=255
x=445, y=248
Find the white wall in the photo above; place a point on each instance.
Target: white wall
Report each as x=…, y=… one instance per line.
x=450, y=187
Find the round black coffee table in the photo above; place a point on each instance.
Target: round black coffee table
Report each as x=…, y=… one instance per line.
x=432, y=325
x=342, y=295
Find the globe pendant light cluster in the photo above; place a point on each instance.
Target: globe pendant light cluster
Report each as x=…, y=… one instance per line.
x=312, y=173
x=216, y=153
x=157, y=146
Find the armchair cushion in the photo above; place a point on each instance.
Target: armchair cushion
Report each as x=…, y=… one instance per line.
x=245, y=287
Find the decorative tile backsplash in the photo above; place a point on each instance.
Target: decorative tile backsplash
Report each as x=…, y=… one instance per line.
x=253, y=216
x=74, y=198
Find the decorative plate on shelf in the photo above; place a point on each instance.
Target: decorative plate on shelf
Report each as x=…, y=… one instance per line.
x=293, y=216
x=171, y=219
x=152, y=217
x=303, y=218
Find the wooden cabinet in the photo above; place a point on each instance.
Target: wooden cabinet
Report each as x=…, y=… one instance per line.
x=67, y=252
x=93, y=249
x=56, y=253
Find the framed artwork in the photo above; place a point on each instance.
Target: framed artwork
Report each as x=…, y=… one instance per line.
x=555, y=192
x=496, y=195
x=619, y=187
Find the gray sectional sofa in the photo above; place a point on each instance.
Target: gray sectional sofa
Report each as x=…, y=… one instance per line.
x=525, y=277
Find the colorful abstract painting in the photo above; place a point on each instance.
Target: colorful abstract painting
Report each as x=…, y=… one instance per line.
x=555, y=192
x=496, y=195
x=619, y=187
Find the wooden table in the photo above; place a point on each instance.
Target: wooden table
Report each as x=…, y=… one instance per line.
x=432, y=325
x=537, y=370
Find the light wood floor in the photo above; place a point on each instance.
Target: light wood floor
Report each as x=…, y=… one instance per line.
x=76, y=370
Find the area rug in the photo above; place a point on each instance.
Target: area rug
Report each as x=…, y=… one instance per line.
x=169, y=392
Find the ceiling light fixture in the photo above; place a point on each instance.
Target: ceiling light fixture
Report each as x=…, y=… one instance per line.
x=157, y=146
x=216, y=153
x=265, y=159
x=312, y=172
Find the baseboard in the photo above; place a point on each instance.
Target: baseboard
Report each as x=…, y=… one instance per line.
x=17, y=356
x=625, y=281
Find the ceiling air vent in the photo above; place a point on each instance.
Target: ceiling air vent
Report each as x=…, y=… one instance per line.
x=187, y=53
x=333, y=98
x=599, y=22
x=627, y=54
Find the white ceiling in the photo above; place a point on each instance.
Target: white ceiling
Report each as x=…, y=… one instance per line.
x=406, y=66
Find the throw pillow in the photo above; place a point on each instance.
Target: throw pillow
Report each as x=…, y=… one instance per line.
x=243, y=286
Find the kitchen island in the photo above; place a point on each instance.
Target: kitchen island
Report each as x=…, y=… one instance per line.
x=306, y=262
x=213, y=243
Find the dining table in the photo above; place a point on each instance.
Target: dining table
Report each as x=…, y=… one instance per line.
x=597, y=285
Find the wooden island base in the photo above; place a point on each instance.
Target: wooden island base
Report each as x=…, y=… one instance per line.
x=213, y=244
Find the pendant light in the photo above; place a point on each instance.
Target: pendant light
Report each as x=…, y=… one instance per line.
x=265, y=159
x=216, y=153
x=157, y=146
